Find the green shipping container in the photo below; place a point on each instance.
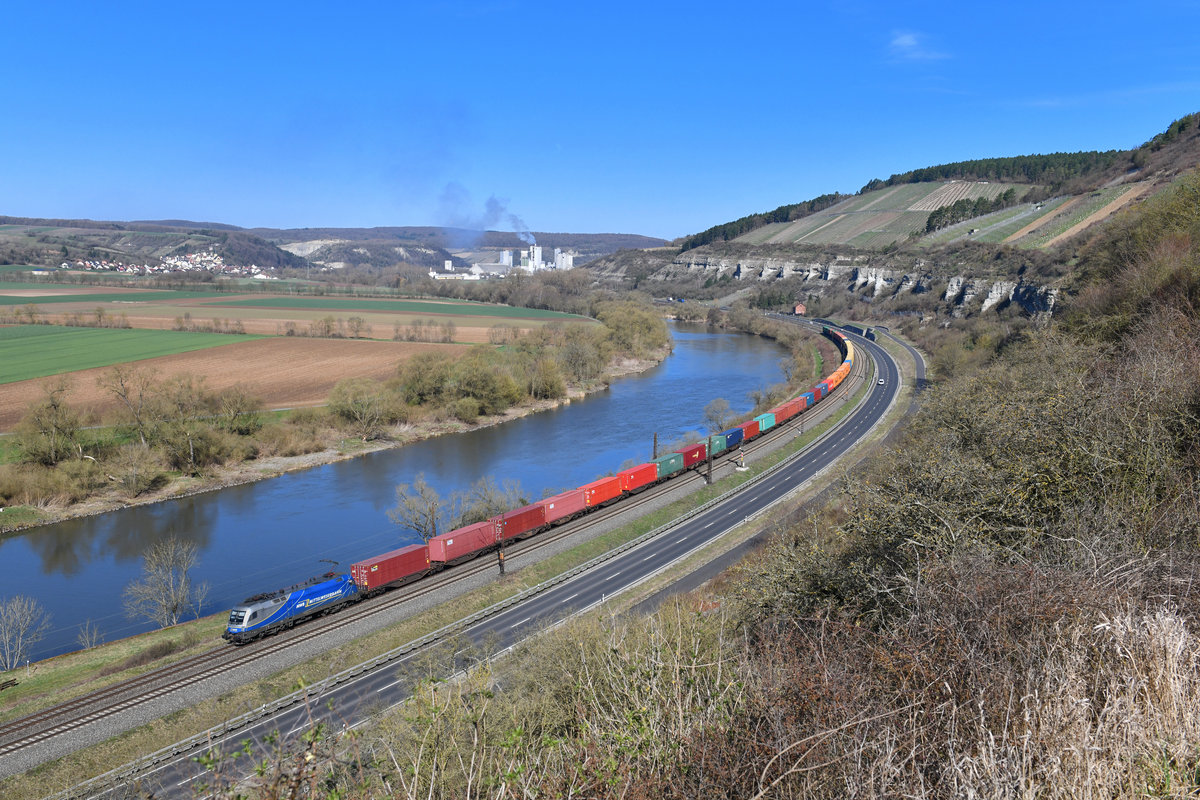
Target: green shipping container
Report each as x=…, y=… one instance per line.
x=716, y=444
x=765, y=421
x=668, y=464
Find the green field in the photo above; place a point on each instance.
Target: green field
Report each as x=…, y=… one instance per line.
x=400, y=306
x=133, y=295
x=35, y=351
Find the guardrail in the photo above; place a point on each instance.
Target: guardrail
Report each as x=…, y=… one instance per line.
x=131, y=771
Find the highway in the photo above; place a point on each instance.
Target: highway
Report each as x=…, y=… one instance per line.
x=353, y=702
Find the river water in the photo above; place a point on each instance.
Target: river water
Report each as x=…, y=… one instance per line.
x=280, y=531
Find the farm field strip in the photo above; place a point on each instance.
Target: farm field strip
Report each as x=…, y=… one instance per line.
x=764, y=234
x=987, y=225
x=843, y=228
x=274, y=322
x=883, y=196
x=795, y=231
x=825, y=224
x=903, y=198
x=283, y=372
x=23, y=294
x=1131, y=193
x=36, y=351
x=1043, y=219
x=898, y=228
x=1004, y=228
x=1078, y=212
x=402, y=306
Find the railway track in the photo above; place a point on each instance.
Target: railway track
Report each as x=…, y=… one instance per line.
x=86, y=709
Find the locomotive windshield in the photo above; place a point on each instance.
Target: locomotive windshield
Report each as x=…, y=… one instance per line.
x=237, y=616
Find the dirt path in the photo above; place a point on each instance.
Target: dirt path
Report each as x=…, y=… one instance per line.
x=1128, y=196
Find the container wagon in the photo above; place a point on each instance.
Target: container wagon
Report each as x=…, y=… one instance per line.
x=393, y=568
x=601, y=491
x=668, y=464
x=463, y=544
x=693, y=454
x=521, y=523
x=765, y=422
x=733, y=437
x=563, y=506
x=638, y=477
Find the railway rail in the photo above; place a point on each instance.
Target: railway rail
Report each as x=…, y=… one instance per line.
x=83, y=710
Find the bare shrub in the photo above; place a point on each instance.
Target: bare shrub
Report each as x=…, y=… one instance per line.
x=23, y=623
x=165, y=593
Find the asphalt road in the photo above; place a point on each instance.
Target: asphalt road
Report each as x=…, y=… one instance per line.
x=356, y=701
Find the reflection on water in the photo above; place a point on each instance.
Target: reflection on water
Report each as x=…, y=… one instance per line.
x=279, y=531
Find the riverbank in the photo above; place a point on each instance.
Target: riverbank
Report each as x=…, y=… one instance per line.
x=16, y=519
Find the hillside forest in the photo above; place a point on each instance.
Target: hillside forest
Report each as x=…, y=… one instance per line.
x=1001, y=603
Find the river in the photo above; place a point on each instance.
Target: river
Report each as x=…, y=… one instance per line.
x=277, y=532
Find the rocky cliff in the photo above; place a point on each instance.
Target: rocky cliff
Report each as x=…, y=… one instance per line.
x=877, y=278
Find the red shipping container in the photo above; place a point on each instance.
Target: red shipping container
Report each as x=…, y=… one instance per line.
x=601, y=491
x=563, y=505
x=522, y=522
x=749, y=429
x=463, y=543
x=693, y=454
x=392, y=567
x=785, y=411
x=637, y=477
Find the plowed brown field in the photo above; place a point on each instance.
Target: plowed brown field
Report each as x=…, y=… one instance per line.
x=282, y=372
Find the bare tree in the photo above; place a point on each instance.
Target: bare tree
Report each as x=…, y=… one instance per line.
x=136, y=391
x=23, y=623
x=49, y=431
x=164, y=593
x=417, y=508
x=718, y=415
x=360, y=403
x=485, y=499
x=89, y=635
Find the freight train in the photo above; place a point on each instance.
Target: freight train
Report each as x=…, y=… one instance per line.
x=274, y=611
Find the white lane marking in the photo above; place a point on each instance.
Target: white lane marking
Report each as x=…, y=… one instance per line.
x=517, y=624
x=385, y=688
x=647, y=558
x=610, y=577
x=572, y=597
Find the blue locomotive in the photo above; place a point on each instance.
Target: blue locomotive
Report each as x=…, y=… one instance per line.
x=274, y=611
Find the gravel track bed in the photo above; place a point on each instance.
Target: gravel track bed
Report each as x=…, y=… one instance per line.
x=273, y=663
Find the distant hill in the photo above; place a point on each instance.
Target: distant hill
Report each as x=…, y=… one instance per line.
x=49, y=242
x=429, y=246
x=1054, y=197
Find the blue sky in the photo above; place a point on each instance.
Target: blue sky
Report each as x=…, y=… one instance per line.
x=659, y=118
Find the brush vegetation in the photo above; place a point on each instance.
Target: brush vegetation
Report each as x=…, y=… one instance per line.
x=1002, y=605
